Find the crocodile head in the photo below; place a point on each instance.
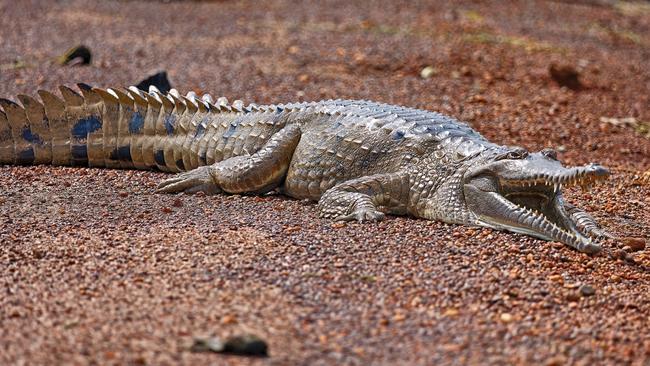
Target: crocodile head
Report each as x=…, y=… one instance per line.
x=521, y=192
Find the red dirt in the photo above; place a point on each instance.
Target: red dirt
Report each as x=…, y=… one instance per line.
x=97, y=269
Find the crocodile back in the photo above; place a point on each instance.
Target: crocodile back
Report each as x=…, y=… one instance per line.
x=345, y=139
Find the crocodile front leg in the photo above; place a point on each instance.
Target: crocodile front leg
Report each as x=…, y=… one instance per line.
x=258, y=173
x=366, y=198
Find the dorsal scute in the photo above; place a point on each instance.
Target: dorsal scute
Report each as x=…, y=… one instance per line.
x=124, y=97
x=71, y=97
x=207, y=98
x=33, y=108
x=190, y=104
x=238, y=105
x=54, y=106
x=179, y=103
x=137, y=95
x=89, y=95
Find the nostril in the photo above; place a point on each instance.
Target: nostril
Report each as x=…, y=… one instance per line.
x=548, y=152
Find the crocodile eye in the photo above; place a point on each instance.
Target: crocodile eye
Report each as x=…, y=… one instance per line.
x=549, y=153
x=514, y=154
x=517, y=154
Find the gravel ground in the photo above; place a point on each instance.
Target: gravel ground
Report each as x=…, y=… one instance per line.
x=96, y=269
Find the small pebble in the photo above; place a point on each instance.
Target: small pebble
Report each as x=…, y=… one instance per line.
x=565, y=75
x=587, y=290
x=635, y=244
x=243, y=345
x=428, y=72
x=506, y=317
x=207, y=345
x=246, y=345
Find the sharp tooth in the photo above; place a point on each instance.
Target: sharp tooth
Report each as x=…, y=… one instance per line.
x=555, y=187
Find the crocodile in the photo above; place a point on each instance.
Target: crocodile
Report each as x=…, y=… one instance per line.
x=360, y=160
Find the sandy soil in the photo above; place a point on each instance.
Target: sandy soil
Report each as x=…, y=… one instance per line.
x=96, y=269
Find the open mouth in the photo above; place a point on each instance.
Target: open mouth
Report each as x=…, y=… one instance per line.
x=535, y=206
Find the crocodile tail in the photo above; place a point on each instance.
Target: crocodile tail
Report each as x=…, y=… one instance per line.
x=114, y=128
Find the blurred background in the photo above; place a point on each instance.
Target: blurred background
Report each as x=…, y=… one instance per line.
x=96, y=269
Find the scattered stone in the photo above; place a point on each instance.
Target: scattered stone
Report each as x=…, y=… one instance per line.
x=207, y=345
x=166, y=210
x=451, y=312
x=78, y=55
x=587, y=290
x=565, y=76
x=635, y=244
x=229, y=319
x=177, y=203
x=506, y=317
x=620, y=254
x=243, y=345
x=428, y=72
x=38, y=254
x=123, y=194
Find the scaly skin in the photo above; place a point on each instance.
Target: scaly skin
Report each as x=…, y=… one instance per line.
x=359, y=159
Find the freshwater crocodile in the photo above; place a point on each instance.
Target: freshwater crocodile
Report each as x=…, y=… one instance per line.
x=359, y=159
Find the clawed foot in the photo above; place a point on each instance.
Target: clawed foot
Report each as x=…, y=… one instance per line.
x=197, y=180
x=362, y=216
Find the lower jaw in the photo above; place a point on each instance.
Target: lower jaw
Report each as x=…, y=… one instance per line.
x=516, y=229
x=580, y=242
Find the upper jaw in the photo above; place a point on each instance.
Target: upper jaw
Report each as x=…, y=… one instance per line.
x=583, y=176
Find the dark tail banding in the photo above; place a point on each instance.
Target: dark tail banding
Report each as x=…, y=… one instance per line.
x=114, y=128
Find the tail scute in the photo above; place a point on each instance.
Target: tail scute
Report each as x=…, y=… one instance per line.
x=95, y=129
x=79, y=122
x=40, y=129
x=71, y=98
x=127, y=125
x=115, y=128
x=20, y=132
x=7, y=150
x=55, y=113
